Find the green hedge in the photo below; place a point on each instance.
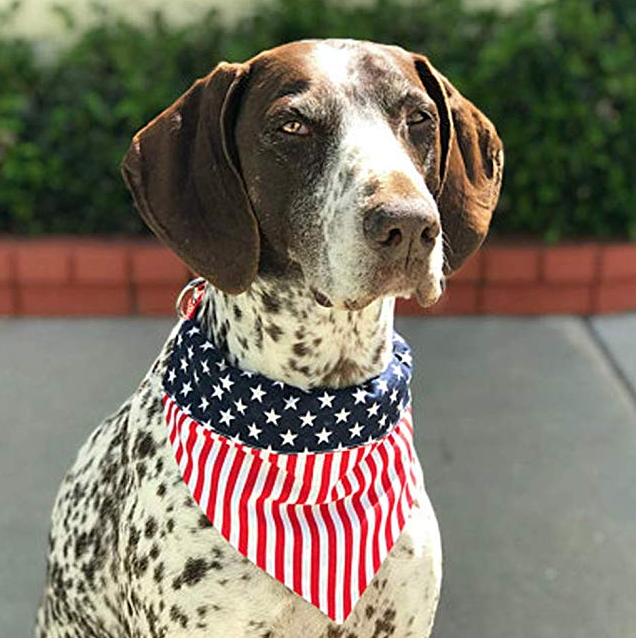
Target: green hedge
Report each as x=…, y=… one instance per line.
x=557, y=79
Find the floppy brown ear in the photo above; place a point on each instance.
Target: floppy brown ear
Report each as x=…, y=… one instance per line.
x=184, y=177
x=471, y=167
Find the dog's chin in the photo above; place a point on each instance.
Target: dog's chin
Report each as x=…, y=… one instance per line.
x=428, y=296
x=426, y=293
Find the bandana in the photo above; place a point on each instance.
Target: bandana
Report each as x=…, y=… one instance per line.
x=314, y=487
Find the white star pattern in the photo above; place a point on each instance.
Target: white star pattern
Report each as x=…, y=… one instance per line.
x=288, y=438
x=240, y=406
x=307, y=419
x=226, y=417
x=326, y=400
x=258, y=393
x=383, y=386
x=193, y=331
x=217, y=392
x=254, y=431
x=186, y=388
x=356, y=430
x=272, y=417
x=226, y=382
x=360, y=396
x=397, y=370
x=244, y=405
x=291, y=402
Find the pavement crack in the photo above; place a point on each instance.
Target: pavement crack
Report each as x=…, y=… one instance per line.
x=611, y=360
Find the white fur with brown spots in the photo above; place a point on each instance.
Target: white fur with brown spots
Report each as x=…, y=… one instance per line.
x=311, y=185
x=132, y=556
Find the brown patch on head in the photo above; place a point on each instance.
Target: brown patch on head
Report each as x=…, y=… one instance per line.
x=397, y=184
x=183, y=173
x=217, y=179
x=471, y=165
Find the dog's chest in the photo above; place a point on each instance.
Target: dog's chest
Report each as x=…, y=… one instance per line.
x=158, y=568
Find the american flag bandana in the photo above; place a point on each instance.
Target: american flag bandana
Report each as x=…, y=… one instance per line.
x=314, y=487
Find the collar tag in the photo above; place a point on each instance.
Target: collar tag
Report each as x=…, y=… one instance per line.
x=189, y=298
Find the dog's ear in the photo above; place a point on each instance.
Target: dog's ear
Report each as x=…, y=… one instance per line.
x=471, y=166
x=182, y=170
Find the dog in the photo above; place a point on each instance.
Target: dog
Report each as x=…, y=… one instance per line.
x=309, y=187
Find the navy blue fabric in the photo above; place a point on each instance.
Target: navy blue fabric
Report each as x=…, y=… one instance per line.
x=268, y=414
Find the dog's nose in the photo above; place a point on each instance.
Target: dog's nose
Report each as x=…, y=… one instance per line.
x=400, y=225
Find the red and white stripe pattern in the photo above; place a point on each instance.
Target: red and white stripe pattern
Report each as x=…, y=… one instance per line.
x=321, y=523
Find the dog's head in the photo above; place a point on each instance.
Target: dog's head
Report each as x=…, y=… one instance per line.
x=356, y=164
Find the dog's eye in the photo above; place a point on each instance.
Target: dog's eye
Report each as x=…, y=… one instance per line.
x=294, y=127
x=417, y=117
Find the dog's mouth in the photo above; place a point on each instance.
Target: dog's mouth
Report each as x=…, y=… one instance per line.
x=427, y=292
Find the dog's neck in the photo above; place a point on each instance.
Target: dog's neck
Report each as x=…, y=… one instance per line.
x=277, y=329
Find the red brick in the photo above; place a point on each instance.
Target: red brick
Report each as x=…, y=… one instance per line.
x=408, y=307
x=7, y=300
x=508, y=264
x=157, y=299
x=75, y=300
x=100, y=263
x=157, y=265
x=536, y=299
x=460, y=299
x=573, y=264
x=7, y=270
x=616, y=297
x=618, y=262
x=43, y=262
x=471, y=270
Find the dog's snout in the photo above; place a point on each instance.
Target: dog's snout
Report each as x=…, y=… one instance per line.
x=401, y=225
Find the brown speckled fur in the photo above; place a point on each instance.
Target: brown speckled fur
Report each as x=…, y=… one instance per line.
x=132, y=556
x=313, y=235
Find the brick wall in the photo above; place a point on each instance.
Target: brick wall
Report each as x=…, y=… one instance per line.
x=95, y=277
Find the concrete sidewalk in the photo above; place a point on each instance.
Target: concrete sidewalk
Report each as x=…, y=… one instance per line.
x=527, y=433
